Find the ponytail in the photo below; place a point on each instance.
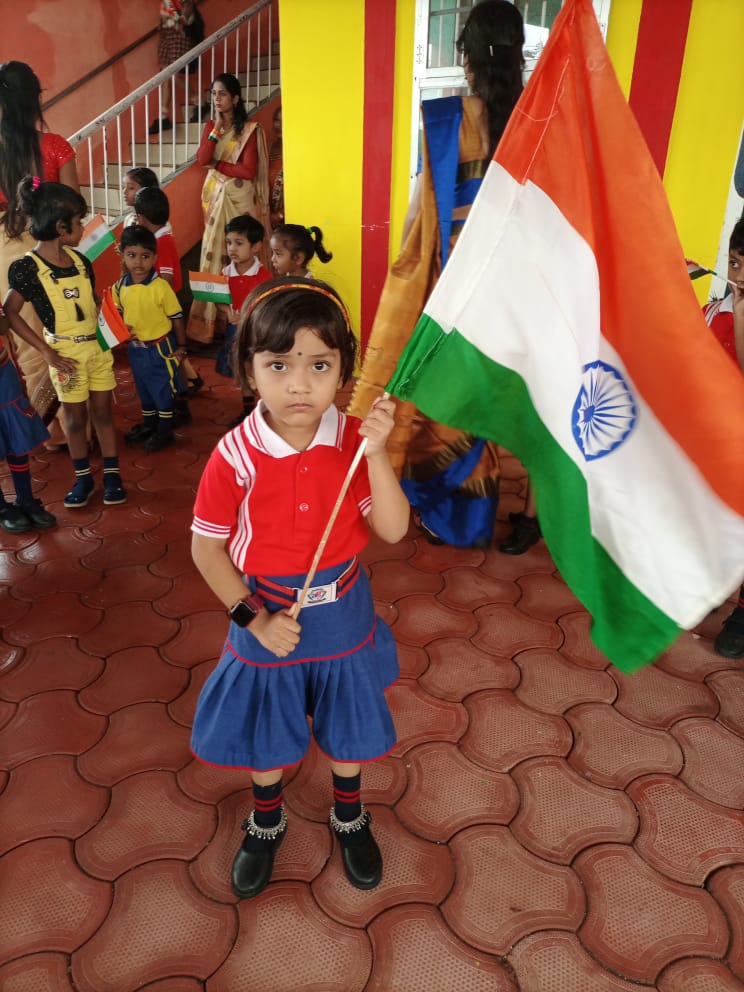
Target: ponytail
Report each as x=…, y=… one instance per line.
x=44, y=204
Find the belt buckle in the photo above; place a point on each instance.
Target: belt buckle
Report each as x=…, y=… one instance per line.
x=136, y=343
x=319, y=595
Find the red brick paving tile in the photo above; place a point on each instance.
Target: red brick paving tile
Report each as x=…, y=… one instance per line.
x=11, y=657
x=208, y=784
x=13, y=571
x=656, y=699
x=386, y=611
x=577, y=644
x=46, y=902
x=183, y=708
x=729, y=688
x=546, y=597
x=727, y=887
x=58, y=615
x=698, y=975
x=49, y=577
x=379, y=550
x=310, y=793
x=413, y=871
x=391, y=580
x=512, y=567
x=302, y=856
x=177, y=560
x=122, y=549
x=714, y=758
x=14, y=610
x=37, y=973
x=414, y=950
x=552, y=683
x=140, y=738
x=419, y=717
x=132, y=521
x=503, y=892
x=447, y=793
x=148, y=818
x=422, y=619
x=4, y=779
x=413, y=662
x=639, y=921
x=49, y=723
x=433, y=558
x=36, y=802
x=185, y=596
x=174, y=525
x=457, y=668
x=60, y=542
x=611, y=750
x=690, y=657
x=135, y=675
x=682, y=835
x=200, y=638
x=175, y=985
x=467, y=587
x=286, y=943
x=56, y=663
x=503, y=731
x=128, y=625
x=505, y=631
x=7, y=712
x=159, y=925
x=553, y=961
x=561, y=813
x=128, y=584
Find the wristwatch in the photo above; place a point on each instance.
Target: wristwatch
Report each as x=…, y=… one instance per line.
x=245, y=610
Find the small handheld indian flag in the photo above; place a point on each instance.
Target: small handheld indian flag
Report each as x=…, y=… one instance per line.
x=111, y=328
x=97, y=236
x=210, y=287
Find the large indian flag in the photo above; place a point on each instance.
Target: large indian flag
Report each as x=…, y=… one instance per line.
x=565, y=327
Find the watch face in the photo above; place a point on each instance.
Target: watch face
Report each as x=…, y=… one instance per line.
x=242, y=614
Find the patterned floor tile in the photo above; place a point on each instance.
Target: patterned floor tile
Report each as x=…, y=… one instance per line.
x=417, y=715
x=175, y=985
x=175, y=560
x=552, y=683
x=13, y=571
x=457, y=668
x=422, y=619
x=727, y=886
x=56, y=663
x=125, y=548
x=698, y=975
x=379, y=550
x=466, y=588
x=183, y=708
x=200, y=638
x=128, y=584
x=59, y=542
x=638, y=921
x=36, y=973
x=545, y=596
x=561, y=813
x=50, y=576
x=159, y=925
x=714, y=758
x=286, y=943
x=184, y=596
x=11, y=657
x=501, y=566
x=415, y=951
x=690, y=657
x=503, y=731
x=611, y=750
x=502, y=892
x=58, y=615
x=139, y=738
x=148, y=818
x=13, y=612
x=412, y=661
x=36, y=802
x=577, y=643
x=729, y=688
x=505, y=631
x=129, y=519
x=447, y=793
x=128, y=625
x=414, y=871
x=656, y=699
x=135, y=675
x=173, y=526
x=391, y=580
x=435, y=558
x=46, y=902
x=50, y=723
x=554, y=961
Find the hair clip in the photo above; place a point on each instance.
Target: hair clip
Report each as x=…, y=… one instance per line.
x=35, y=183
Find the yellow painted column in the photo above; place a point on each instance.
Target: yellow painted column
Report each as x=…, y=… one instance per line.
x=405, y=17
x=622, y=36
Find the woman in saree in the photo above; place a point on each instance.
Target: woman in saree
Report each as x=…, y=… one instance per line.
x=234, y=153
x=27, y=149
x=451, y=478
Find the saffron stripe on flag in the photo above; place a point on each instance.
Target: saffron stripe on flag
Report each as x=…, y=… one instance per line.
x=111, y=329
x=97, y=237
x=210, y=287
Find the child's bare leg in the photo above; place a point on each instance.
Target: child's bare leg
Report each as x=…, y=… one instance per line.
x=350, y=822
x=264, y=831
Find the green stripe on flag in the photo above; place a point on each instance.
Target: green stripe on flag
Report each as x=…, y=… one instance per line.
x=98, y=247
x=492, y=401
x=213, y=296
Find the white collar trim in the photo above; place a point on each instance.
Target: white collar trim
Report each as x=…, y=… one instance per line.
x=329, y=432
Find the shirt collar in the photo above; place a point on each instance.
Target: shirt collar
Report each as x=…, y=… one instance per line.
x=252, y=271
x=127, y=279
x=265, y=439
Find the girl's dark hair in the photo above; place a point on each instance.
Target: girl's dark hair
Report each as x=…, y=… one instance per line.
x=736, y=241
x=144, y=177
x=233, y=87
x=246, y=225
x=137, y=236
x=20, y=154
x=307, y=241
x=273, y=323
x=492, y=39
x=47, y=204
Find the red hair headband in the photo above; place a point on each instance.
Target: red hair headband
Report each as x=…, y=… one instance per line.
x=313, y=287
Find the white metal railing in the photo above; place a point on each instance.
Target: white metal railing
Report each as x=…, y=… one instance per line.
x=118, y=139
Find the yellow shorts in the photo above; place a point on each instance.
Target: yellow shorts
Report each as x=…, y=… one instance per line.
x=94, y=372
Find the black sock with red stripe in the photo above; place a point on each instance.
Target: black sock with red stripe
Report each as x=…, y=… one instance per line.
x=267, y=813
x=347, y=805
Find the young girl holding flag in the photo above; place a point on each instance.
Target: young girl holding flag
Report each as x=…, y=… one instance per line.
x=264, y=499
x=60, y=284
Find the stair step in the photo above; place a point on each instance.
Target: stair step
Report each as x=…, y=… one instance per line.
x=107, y=202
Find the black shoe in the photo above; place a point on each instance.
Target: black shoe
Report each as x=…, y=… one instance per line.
x=251, y=870
x=525, y=533
x=730, y=641
x=160, y=124
x=360, y=854
x=38, y=516
x=140, y=432
x=181, y=413
x=114, y=495
x=156, y=442
x=430, y=536
x=14, y=520
x=194, y=385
